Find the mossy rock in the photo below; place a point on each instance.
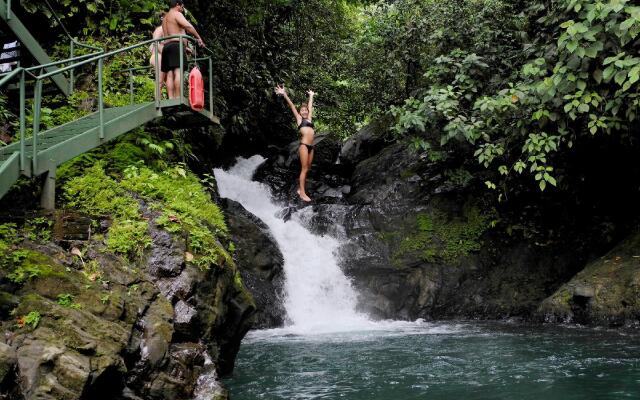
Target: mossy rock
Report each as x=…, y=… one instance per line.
x=605, y=292
x=437, y=238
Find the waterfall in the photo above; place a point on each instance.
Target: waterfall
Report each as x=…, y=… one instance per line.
x=318, y=296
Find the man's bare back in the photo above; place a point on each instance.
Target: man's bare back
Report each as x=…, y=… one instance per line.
x=173, y=24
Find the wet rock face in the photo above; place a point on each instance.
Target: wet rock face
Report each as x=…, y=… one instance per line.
x=131, y=332
x=260, y=263
x=414, y=233
x=366, y=144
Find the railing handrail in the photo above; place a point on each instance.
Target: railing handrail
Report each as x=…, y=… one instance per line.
x=85, y=45
x=10, y=75
x=56, y=63
x=125, y=70
x=116, y=52
x=7, y=76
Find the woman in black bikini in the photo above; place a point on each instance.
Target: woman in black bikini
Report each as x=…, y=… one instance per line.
x=305, y=150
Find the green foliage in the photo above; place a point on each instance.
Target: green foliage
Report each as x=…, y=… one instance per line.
x=438, y=239
x=184, y=205
x=458, y=177
x=101, y=17
x=580, y=79
x=97, y=194
x=29, y=265
x=104, y=299
x=77, y=105
x=8, y=238
x=38, y=229
x=92, y=271
x=32, y=319
x=185, y=208
x=66, y=300
x=9, y=233
x=129, y=237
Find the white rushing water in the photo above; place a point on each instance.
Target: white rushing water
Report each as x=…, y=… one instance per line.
x=319, y=297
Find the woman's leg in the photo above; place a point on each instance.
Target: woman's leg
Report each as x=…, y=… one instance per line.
x=310, y=159
x=304, y=162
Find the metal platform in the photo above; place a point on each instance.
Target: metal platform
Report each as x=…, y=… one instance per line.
x=45, y=150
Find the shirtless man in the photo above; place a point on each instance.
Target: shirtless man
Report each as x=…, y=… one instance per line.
x=175, y=23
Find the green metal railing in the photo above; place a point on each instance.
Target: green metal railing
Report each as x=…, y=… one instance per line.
x=40, y=75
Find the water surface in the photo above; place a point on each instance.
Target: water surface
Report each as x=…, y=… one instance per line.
x=331, y=351
x=440, y=361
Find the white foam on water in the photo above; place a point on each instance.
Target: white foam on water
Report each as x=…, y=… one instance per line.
x=319, y=298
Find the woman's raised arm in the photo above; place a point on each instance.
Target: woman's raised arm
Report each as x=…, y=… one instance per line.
x=311, y=94
x=281, y=91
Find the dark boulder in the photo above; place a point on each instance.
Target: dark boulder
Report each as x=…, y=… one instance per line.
x=368, y=142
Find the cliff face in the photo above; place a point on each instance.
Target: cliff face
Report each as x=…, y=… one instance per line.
x=85, y=317
x=423, y=238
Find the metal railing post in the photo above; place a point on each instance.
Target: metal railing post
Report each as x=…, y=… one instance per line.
x=71, y=73
x=181, y=69
x=210, y=85
x=131, y=85
x=100, y=99
x=37, y=99
x=23, y=156
x=157, y=77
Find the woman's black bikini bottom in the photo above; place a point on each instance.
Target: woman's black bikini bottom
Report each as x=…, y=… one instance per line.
x=309, y=146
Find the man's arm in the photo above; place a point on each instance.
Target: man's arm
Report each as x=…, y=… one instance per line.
x=186, y=25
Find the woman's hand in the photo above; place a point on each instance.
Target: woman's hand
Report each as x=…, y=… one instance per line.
x=311, y=93
x=280, y=90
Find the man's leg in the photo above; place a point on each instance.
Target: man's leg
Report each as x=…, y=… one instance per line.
x=169, y=80
x=177, y=83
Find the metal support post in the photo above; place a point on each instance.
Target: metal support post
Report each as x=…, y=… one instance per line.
x=100, y=99
x=157, y=77
x=71, y=73
x=131, y=85
x=36, y=124
x=181, y=69
x=8, y=10
x=211, y=86
x=23, y=133
x=48, y=195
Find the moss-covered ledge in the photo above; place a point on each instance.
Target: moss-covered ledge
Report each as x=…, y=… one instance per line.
x=606, y=292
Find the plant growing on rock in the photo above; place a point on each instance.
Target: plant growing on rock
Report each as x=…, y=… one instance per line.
x=32, y=319
x=66, y=300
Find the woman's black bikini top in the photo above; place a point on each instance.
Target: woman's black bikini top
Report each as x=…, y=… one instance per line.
x=305, y=123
